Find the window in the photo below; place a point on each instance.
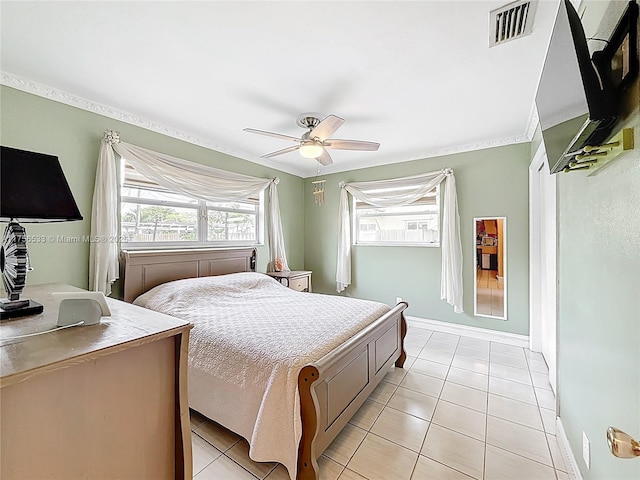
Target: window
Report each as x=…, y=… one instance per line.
x=151, y=215
x=414, y=224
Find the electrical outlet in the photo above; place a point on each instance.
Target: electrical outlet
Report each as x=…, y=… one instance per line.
x=586, y=449
x=398, y=300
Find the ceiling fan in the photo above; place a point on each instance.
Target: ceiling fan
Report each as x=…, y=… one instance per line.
x=315, y=142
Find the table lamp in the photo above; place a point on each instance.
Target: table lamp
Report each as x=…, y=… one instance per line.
x=33, y=189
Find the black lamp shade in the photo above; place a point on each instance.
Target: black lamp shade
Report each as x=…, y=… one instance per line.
x=33, y=188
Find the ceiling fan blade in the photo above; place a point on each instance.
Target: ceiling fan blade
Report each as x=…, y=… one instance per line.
x=350, y=144
x=281, y=152
x=271, y=134
x=325, y=158
x=326, y=127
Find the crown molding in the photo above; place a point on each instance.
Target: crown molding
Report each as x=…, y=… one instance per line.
x=484, y=144
x=534, y=121
x=57, y=95
x=60, y=96
x=439, y=152
x=530, y=131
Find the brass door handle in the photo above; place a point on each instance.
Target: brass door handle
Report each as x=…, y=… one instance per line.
x=622, y=444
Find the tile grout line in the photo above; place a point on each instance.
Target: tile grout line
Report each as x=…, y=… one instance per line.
x=486, y=418
x=368, y=431
x=435, y=406
x=355, y=451
x=384, y=404
x=517, y=423
x=413, y=470
x=546, y=438
x=432, y=414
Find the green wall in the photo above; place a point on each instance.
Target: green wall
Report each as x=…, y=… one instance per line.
x=599, y=291
x=30, y=122
x=599, y=311
x=491, y=182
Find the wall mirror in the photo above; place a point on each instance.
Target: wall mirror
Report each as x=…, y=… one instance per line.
x=490, y=288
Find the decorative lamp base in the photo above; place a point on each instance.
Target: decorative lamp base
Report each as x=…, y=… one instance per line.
x=7, y=304
x=31, y=308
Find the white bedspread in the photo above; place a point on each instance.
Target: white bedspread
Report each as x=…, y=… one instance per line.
x=251, y=338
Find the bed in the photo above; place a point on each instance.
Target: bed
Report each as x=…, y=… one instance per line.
x=288, y=396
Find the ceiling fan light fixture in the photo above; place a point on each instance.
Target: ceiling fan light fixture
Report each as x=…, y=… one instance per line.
x=316, y=142
x=311, y=150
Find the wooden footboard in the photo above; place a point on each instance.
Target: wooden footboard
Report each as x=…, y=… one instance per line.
x=335, y=387
x=331, y=389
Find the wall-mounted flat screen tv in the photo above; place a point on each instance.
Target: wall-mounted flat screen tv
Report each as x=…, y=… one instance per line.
x=575, y=106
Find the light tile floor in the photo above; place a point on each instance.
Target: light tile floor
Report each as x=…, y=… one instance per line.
x=461, y=409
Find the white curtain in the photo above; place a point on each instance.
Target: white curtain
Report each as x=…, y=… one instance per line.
x=103, y=250
x=175, y=174
x=399, y=192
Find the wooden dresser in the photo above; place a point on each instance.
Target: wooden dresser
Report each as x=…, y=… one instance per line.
x=103, y=401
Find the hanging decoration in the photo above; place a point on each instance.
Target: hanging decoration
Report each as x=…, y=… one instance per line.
x=318, y=192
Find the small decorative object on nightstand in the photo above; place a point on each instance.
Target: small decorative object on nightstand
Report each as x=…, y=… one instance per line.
x=120, y=388
x=299, y=280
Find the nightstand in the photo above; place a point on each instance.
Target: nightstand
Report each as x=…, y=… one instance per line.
x=299, y=280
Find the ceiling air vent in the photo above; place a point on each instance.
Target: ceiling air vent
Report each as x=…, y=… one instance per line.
x=511, y=21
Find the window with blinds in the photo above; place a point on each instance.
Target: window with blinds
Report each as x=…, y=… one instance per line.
x=151, y=215
x=415, y=224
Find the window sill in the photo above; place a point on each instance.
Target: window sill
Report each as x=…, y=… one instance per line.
x=191, y=246
x=427, y=245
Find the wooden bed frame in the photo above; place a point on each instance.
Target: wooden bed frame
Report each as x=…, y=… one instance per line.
x=331, y=389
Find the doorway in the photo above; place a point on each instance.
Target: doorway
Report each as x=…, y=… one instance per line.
x=542, y=261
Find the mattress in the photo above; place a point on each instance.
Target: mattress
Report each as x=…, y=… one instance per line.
x=251, y=338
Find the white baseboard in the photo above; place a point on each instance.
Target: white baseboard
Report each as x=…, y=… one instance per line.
x=569, y=458
x=475, y=332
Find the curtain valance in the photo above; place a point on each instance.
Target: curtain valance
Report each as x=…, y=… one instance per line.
x=178, y=175
x=400, y=192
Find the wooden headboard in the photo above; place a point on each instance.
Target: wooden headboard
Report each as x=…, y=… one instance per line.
x=144, y=269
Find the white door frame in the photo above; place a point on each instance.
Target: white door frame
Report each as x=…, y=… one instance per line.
x=543, y=261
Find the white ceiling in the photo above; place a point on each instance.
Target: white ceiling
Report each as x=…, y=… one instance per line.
x=417, y=76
